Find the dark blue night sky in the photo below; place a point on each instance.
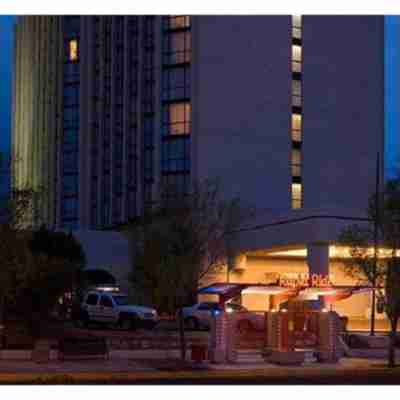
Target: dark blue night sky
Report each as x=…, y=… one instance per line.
x=6, y=44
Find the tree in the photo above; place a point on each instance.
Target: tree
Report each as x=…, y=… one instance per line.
x=379, y=269
x=37, y=268
x=182, y=240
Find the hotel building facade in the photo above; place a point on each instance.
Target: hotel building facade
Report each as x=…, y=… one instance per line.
x=288, y=112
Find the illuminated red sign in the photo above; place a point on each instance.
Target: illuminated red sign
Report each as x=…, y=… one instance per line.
x=304, y=280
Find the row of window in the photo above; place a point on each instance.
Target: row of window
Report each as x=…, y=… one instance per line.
x=148, y=107
x=296, y=121
x=176, y=112
x=70, y=140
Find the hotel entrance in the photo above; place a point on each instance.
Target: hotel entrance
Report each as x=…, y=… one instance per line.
x=300, y=326
x=290, y=267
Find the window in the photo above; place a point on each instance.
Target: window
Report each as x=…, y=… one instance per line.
x=71, y=73
x=296, y=58
x=70, y=208
x=296, y=88
x=177, y=47
x=71, y=95
x=176, y=22
x=70, y=161
x=296, y=122
x=296, y=21
x=296, y=93
x=296, y=127
x=175, y=155
x=70, y=184
x=296, y=195
x=72, y=24
x=92, y=299
x=176, y=83
x=296, y=33
x=73, y=50
x=296, y=163
x=105, y=301
x=176, y=119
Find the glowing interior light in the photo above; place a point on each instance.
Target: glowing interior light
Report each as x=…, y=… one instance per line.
x=73, y=50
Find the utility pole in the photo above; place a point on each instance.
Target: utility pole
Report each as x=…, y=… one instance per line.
x=376, y=228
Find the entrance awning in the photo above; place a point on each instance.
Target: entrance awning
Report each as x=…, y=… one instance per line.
x=330, y=294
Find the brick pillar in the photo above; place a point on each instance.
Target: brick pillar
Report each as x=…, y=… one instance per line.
x=232, y=336
x=328, y=337
x=218, y=346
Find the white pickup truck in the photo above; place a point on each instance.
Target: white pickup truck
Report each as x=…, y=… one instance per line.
x=113, y=308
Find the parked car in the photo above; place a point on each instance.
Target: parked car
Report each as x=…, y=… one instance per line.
x=199, y=316
x=113, y=308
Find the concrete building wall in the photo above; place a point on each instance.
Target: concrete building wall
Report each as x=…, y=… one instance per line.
x=343, y=112
x=242, y=106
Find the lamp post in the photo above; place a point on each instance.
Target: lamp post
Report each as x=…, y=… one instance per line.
x=376, y=227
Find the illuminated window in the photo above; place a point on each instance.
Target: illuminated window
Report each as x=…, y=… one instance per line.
x=296, y=195
x=177, y=22
x=73, y=50
x=296, y=53
x=296, y=21
x=296, y=122
x=296, y=58
x=177, y=119
x=296, y=162
x=296, y=33
x=296, y=127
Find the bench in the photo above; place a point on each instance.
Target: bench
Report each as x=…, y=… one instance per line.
x=88, y=347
